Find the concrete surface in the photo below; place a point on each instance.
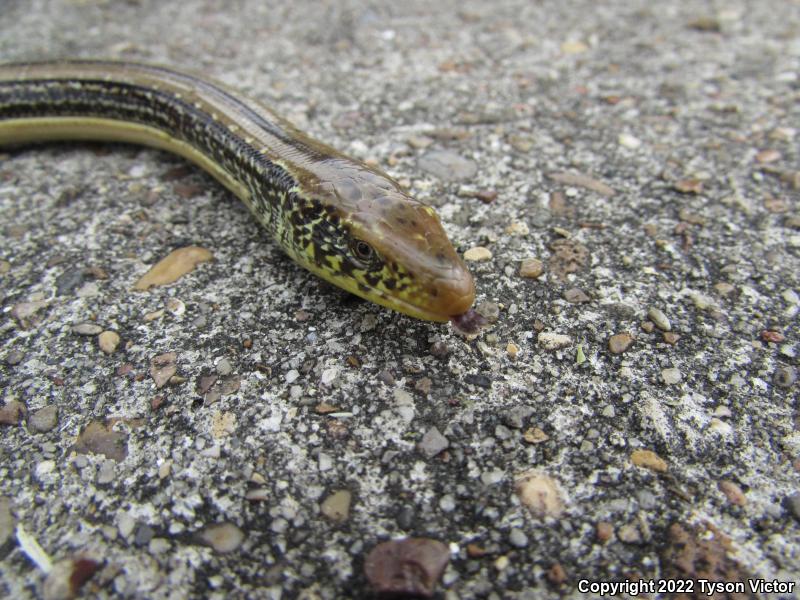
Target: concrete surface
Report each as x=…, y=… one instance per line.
x=646, y=153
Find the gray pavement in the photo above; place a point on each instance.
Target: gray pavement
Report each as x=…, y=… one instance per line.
x=631, y=413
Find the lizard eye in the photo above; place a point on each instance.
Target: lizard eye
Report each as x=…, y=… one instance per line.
x=363, y=254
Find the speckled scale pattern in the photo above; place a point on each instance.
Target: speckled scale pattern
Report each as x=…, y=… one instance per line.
x=314, y=200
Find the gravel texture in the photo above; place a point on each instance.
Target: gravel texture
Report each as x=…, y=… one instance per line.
x=249, y=431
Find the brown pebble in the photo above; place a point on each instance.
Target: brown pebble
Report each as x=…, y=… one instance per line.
x=173, y=266
x=556, y=574
x=424, y=385
x=535, y=435
x=486, y=196
x=531, y=268
x=475, y=551
x=44, y=419
x=98, y=438
x=649, y=460
x=604, y=531
x=620, y=342
x=768, y=156
x=733, y=492
x=162, y=368
x=689, y=186
x=671, y=338
x=108, y=341
x=406, y=568
x=776, y=337
x=66, y=578
x=336, y=507
x=648, y=326
x=12, y=413
x=539, y=493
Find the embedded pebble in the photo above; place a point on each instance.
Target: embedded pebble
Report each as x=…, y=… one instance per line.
x=98, y=438
x=539, y=493
x=126, y=525
x=336, y=507
x=576, y=296
x=620, y=342
x=107, y=472
x=406, y=568
x=223, y=538
x=671, y=376
x=162, y=368
x=13, y=358
x=448, y=166
x=553, y=341
x=108, y=341
x=659, y=319
x=649, y=460
x=732, y=492
x=629, y=534
x=517, y=538
x=478, y=254
x=224, y=367
x=173, y=266
x=531, y=268
x=432, y=443
x=629, y=141
x=44, y=419
x=87, y=329
x=12, y=413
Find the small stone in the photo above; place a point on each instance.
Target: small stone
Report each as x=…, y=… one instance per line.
x=648, y=326
x=158, y=546
x=107, y=472
x=336, y=507
x=723, y=288
x=649, y=460
x=108, y=341
x=539, y=493
x=144, y=533
x=478, y=254
x=689, y=186
x=512, y=350
x=733, y=492
x=671, y=376
x=620, y=342
x=98, y=438
x=517, y=538
x=224, y=367
x=671, y=338
x=7, y=520
x=87, y=329
x=439, y=349
x=329, y=376
x=553, y=341
x=173, y=266
x=518, y=228
x=406, y=568
x=629, y=534
x=771, y=336
x=44, y=419
x=489, y=311
x=768, y=156
x=432, y=443
x=604, y=531
x=576, y=296
x=629, y=141
x=126, y=525
x=12, y=413
x=535, y=435
x=659, y=319
x=556, y=574
x=13, y=358
x=162, y=368
x=785, y=376
x=531, y=268
x=223, y=538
